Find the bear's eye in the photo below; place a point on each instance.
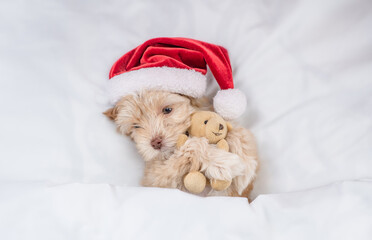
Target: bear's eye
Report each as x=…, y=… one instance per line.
x=167, y=110
x=206, y=121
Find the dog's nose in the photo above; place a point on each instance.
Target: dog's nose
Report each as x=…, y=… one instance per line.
x=221, y=127
x=156, y=142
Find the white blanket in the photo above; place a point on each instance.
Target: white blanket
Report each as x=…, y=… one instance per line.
x=101, y=211
x=306, y=67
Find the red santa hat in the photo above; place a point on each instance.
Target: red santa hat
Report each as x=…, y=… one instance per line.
x=177, y=65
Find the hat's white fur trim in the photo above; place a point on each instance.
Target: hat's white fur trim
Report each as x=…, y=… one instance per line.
x=183, y=81
x=230, y=103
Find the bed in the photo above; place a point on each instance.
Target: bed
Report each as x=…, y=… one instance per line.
x=305, y=66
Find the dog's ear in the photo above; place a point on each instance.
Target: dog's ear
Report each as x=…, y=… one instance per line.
x=112, y=113
x=200, y=103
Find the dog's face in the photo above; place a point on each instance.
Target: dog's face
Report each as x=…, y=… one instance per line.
x=154, y=120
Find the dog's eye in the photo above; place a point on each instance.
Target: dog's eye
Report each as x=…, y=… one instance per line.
x=167, y=110
x=136, y=126
x=205, y=122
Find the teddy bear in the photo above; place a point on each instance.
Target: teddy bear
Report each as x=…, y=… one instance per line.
x=214, y=128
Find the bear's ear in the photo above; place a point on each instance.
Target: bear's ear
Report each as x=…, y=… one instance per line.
x=111, y=113
x=229, y=126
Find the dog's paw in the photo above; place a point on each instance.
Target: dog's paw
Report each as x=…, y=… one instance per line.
x=223, y=165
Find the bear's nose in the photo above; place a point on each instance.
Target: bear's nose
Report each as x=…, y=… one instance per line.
x=221, y=127
x=156, y=142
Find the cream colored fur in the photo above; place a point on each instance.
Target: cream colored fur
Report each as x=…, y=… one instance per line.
x=140, y=116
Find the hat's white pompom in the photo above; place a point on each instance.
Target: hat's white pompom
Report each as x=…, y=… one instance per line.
x=230, y=103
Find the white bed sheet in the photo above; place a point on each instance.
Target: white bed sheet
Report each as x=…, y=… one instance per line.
x=305, y=66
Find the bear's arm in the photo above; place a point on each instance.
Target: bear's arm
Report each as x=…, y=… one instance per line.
x=222, y=144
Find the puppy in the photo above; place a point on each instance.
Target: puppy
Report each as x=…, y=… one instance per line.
x=155, y=119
